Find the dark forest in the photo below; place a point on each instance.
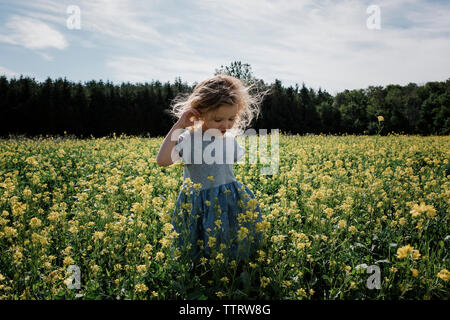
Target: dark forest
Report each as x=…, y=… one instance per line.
x=97, y=108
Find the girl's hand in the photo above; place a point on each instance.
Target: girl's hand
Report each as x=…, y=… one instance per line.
x=185, y=120
x=166, y=151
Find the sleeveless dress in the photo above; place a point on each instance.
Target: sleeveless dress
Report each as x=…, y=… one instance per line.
x=215, y=215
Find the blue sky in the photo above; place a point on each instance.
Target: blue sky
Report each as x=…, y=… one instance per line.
x=325, y=44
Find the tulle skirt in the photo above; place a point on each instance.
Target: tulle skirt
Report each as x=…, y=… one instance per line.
x=222, y=222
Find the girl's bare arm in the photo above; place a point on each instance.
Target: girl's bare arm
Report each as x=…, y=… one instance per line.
x=164, y=157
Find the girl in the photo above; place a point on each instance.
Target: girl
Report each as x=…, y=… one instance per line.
x=215, y=215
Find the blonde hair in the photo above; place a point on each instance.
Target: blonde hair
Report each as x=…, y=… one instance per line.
x=220, y=90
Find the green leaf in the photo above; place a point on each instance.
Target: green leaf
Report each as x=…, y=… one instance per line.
x=245, y=278
x=195, y=295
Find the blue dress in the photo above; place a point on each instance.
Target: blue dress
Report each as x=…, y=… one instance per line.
x=216, y=215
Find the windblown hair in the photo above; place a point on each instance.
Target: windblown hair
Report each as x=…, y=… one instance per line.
x=221, y=90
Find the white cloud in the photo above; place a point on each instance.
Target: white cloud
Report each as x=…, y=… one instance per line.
x=138, y=69
x=45, y=56
x=119, y=20
x=32, y=34
x=323, y=43
x=327, y=44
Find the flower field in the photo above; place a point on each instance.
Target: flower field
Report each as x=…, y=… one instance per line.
x=338, y=207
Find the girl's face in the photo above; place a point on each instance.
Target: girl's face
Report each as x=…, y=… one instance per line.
x=221, y=118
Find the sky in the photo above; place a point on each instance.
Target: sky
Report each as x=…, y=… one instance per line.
x=332, y=45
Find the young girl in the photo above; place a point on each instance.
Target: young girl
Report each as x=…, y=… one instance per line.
x=215, y=215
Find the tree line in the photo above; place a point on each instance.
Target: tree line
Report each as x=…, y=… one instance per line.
x=97, y=108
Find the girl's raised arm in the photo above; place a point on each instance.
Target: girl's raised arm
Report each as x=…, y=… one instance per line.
x=164, y=157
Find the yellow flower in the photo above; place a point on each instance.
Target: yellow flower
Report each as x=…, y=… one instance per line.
x=208, y=203
x=142, y=269
x=187, y=183
x=10, y=232
x=137, y=208
x=159, y=256
x=17, y=257
x=252, y=204
x=220, y=258
x=167, y=228
x=67, y=250
x=264, y=282
x=262, y=226
x=220, y=294
x=95, y=268
x=73, y=229
x=329, y=212
x=148, y=248
x=277, y=239
x=417, y=210
x=27, y=192
x=419, y=224
x=164, y=242
x=225, y=280
x=98, y=235
x=415, y=254
x=444, y=274
x=431, y=212
x=404, y=252
x=342, y=223
x=301, y=293
x=68, y=261
x=211, y=178
x=415, y=272
x=380, y=118
x=140, y=287
x=211, y=241
x=242, y=233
